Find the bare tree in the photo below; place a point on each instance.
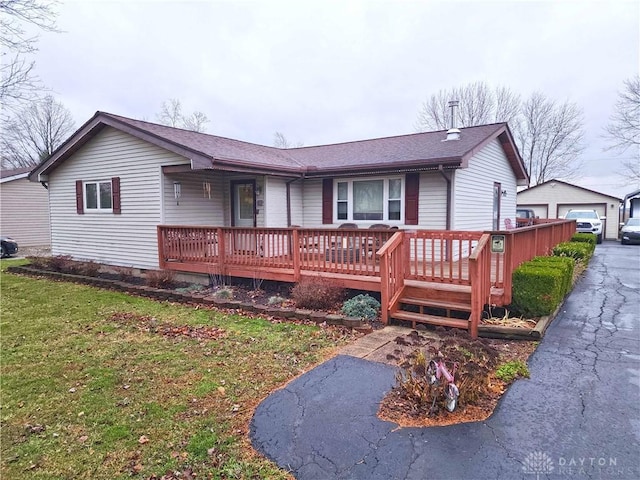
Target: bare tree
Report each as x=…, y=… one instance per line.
x=550, y=138
x=280, y=141
x=18, y=82
x=479, y=104
x=549, y=135
x=623, y=130
x=34, y=133
x=172, y=116
x=195, y=122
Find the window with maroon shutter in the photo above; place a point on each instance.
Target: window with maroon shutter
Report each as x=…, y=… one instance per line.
x=411, y=193
x=327, y=200
x=100, y=196
x=115, y=192
x=79, y=198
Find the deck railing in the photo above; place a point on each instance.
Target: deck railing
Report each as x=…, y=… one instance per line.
x=390, y=255
x=523, y=244
x=342, y=251
x=440, y=255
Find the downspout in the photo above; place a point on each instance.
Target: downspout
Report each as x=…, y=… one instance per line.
x=447, y=179
x=448, y=216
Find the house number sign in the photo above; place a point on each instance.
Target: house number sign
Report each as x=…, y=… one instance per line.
x=497, y=243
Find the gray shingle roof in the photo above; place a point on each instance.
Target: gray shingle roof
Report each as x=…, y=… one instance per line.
x=419, y=150
x=427, y=148
x=14, y=171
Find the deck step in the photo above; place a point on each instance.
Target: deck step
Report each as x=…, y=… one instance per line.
x=436, y=303
x=430, y=319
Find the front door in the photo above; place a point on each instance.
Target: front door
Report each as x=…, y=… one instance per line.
x=243, y=203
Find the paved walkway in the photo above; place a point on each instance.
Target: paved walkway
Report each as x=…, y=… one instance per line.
x=577, y=417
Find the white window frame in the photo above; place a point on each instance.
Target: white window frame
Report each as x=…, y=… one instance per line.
x=85, y=196
x=385, y=200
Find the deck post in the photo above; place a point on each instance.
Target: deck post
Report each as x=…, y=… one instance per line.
x=295, y=253
x=221, y=250
x=508, y=266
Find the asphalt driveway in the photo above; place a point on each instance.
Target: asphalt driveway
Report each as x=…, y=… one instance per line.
x=577, y=417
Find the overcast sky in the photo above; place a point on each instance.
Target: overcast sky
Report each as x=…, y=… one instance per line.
x=326, y=72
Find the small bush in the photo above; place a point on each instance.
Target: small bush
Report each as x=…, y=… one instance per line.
x=565, y=264
x=39, y=262
x=276, y=300
x=60, y=263
x=88, y=269
x=578, y=250
x=160, y=278
x=361, y=306
x=316, y=294
x=537, y=289
x=585, y=238
x=224, y=292
x=508, y=372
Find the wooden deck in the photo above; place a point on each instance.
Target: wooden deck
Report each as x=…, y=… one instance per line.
x=366, y=259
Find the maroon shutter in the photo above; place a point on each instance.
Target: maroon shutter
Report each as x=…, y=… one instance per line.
x=411, y=192
x=115, y=194
x=79, y=198
x=327, y=200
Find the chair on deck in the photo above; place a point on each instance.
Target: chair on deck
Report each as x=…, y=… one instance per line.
x=508, y=224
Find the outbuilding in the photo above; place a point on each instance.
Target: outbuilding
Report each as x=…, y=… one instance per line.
x=24, y=209
x=554, y=198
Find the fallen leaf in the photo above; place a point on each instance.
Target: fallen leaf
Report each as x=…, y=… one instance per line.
x=72, y=390
x=221, y=390
x=83, y=438
x=143, y=439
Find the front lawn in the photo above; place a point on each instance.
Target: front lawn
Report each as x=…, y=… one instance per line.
x=102, y=385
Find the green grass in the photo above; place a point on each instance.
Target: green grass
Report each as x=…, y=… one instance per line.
x=100, y=387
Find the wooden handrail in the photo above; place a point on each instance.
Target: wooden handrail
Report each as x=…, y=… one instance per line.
x=480, y=277
x=392, y=272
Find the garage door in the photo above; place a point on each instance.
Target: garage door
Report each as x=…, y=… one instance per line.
x=602, y=211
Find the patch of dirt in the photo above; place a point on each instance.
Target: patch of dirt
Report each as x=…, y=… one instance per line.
x=406, y=412
x=145, y=323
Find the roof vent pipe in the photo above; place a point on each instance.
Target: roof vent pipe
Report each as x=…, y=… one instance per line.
x=453, y=133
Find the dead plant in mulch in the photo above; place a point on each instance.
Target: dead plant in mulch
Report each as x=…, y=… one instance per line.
x=148, y=324
x=409, y=402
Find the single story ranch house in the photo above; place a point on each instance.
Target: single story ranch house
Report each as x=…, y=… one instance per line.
x=133, y=193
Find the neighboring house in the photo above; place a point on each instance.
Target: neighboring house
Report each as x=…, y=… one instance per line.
x=116, y=179
x=24, y=209
x=554, y=198
x=633, y=200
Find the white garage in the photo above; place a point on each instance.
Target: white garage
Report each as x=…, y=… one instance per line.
x=554, y=198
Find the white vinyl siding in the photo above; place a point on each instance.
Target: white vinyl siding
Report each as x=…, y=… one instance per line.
x=130, y=238
x=275, y=202
x=473, y=190
x=312, y=204
x=558, y=197
x=24, y=212
x=432, y=202
x=297, y=211
x=197, y=205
